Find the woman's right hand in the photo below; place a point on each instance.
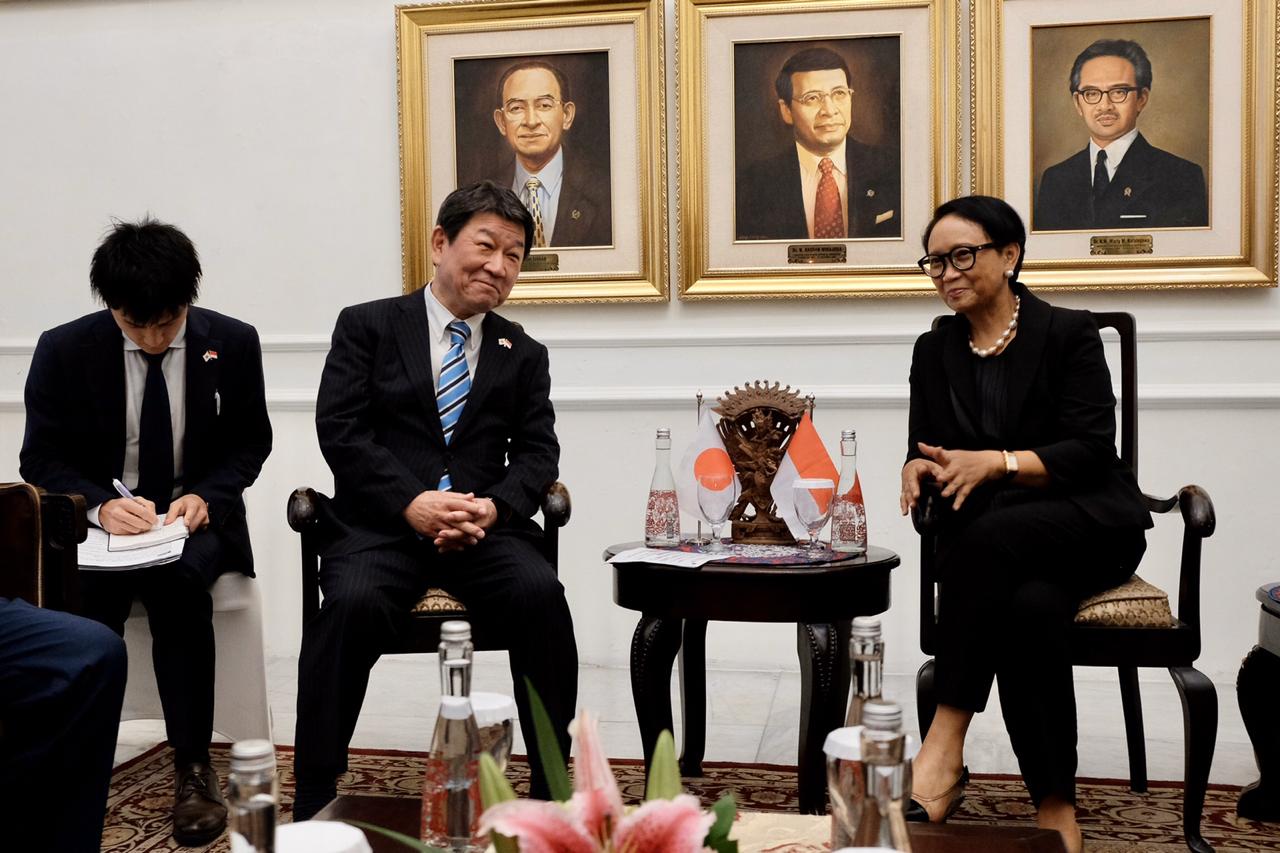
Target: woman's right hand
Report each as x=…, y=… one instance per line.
x=913, y=474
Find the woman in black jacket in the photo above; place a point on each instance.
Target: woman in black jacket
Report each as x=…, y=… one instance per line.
x=1013, y=417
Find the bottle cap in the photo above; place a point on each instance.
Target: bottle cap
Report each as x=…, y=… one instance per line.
x=846, y=434
x=249, y=756
x=455, y=707
x=455, y=631
x=865, y=627
x=491, y=709
x=664, y=432
x=882, y=716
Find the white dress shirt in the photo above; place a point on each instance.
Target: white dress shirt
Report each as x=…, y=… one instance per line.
x=174, y=368
x=438, y=320
x=1116, y=149
x=551, y=177
x=810, y=174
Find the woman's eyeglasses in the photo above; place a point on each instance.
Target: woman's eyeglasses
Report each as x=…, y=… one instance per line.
x=961, y=258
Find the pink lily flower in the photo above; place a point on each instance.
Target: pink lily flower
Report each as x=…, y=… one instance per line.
x=594, y=820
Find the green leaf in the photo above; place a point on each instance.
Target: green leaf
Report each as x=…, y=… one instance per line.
x=494, y=787
x=549, y=748
x=664, y=775
x=392, y=834
x=718, y=837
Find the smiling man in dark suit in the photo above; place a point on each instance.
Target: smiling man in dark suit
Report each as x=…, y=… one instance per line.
x=434, y=414
x=1119, y=180
x=828, y=186
x=168, y=399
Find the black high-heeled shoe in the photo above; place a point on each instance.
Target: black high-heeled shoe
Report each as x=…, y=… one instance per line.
x=918, y=813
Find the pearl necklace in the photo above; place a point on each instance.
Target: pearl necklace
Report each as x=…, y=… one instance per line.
x=1000, y=341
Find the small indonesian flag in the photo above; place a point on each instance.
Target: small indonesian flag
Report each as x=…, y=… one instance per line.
x=706, y=456
x=805, y=458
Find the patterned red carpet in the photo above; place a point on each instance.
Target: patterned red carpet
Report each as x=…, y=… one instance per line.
x=1114, y=819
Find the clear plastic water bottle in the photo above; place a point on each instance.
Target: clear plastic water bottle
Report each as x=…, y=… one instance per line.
x=866, y=665
x=254, y=796
x=451, y=789
x=662, y=515
x=887, y=773
x=848, y=512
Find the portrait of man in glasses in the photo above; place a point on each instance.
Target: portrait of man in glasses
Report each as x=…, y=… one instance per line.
x=823, y=184
x=1118, y=180
x=554, y=152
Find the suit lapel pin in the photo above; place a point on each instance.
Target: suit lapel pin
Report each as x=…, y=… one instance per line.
x=210, y=355
x=503, y=342
x=575, y=214
x=1128, y=192
x=871, y=193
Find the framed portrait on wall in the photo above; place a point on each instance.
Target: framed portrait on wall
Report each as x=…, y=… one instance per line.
x=564, y=103
x=815, y=140
x=1140, y=149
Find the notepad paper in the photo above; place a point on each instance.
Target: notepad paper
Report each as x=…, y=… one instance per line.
x=159, y=535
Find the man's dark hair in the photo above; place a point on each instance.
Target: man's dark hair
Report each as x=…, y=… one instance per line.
x=147, y=269
x=536, y=63
x=809, y=59
x=993, y=215
x=484, y=197
x=1123, y=48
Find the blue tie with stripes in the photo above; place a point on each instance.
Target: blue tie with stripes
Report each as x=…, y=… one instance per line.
x=455, y=384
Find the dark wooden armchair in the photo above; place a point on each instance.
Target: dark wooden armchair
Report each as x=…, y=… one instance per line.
x=1119, y=638
x=39, y=533
x=436, y=606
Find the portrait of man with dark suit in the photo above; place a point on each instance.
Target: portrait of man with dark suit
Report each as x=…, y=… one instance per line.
x=566, y=192
x=826, y=185
x=167, y=400
x=1118, y=180
x=434, y=413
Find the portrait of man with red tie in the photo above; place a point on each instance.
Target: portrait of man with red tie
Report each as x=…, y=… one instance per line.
x=824, y=183
x=554, y=148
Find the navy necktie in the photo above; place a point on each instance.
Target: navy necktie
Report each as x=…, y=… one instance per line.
x=455, y=384
x=1101, y=179
x=155, y=437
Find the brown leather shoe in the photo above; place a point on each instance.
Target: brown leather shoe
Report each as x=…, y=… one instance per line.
x=199, y=812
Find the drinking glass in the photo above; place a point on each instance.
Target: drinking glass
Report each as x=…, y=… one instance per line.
x=812, y=499
x=717, y=495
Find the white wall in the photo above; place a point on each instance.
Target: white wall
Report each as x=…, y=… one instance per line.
x=267, y=130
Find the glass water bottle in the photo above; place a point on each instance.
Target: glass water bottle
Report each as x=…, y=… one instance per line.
x=254, y=796
x=866, y=665
x=662, y=515
x=848, y=512
x=451, y=790
x=887, y=773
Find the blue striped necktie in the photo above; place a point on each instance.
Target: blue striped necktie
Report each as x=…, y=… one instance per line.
x=455, y=384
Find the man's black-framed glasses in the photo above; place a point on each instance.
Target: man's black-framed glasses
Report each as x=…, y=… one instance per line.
x=961, y=258
x=1116, y=94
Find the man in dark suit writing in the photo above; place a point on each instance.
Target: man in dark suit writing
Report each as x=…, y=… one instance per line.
x=567, y=195
x=168, y=399
x=1119, y=180
x=434, y=414
x=828, y=186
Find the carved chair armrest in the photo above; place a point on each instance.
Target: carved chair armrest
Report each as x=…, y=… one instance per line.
x=304, y=509
x=1198, y=524
x=556, y=505
x=926, y=515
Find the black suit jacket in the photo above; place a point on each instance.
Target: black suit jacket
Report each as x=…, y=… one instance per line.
x=1060, y=406
x=380, y=430
x=75, y=434
x=584, y=216
x=1151, y=189
x=770, y=201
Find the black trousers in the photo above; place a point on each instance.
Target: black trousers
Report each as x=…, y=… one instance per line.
x=61, y=686
x=1010, y=581
x=503, y=580
x=180, y=614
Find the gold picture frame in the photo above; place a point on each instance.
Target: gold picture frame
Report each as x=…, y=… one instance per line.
x=1224, y=50
x=453, y=59
x=738, y=237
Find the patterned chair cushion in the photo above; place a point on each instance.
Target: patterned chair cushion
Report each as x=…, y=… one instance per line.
x=1133, y=604
x=438, y=601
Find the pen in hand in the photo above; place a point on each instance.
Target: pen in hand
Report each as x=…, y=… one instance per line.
x=142, y=511
x=122, y=490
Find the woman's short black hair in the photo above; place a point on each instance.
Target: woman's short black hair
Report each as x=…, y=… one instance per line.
x=484, y=197
x=147, y=269
x=994, y=215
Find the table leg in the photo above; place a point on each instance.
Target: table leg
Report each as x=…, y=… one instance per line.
x=653, y=651
x=693, y=696
x=824, y=689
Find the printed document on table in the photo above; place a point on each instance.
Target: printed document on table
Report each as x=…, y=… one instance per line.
x=96, y=556
x=663, y=557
